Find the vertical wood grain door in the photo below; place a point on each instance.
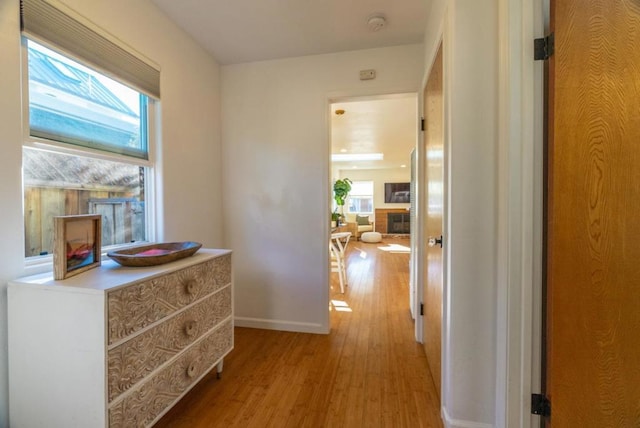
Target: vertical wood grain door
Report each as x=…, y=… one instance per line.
x=432, y=293
x=593, y=215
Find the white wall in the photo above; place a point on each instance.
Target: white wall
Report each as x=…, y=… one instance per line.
x=470, y=43
x=11, y=224
x=190, y=150
x=275, y=121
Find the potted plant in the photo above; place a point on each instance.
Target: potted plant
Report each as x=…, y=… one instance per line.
x=341, y=189
x=335, y=218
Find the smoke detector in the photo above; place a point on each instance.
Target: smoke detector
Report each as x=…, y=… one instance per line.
x=376, y=22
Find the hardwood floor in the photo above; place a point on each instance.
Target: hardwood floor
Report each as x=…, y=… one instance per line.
x=369, y=372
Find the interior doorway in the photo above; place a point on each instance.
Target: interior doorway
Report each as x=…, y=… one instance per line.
x=372, y=139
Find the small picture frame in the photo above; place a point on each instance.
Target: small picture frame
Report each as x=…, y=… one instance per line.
x=77, y=244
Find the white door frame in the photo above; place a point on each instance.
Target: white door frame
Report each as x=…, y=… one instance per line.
x=520, y=206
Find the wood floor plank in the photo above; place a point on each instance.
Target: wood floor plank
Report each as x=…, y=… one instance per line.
x=368, y=372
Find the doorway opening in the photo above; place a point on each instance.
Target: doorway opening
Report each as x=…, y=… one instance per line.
x=372, y=141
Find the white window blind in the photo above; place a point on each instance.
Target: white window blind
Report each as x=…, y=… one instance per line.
x=44, y=21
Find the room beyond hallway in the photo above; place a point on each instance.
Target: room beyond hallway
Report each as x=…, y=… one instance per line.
x=368, y=372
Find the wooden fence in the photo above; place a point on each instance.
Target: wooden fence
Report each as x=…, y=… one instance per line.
x=123, y=218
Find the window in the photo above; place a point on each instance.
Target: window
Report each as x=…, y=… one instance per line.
x=86, y=150
x=361, y=197
x=71, y=103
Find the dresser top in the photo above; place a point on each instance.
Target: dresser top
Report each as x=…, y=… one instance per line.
x=110, y=275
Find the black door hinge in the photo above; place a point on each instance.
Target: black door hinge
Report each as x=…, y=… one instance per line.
x=421, y=309
x=540, y=405
x=543, y=48
x=422, y=124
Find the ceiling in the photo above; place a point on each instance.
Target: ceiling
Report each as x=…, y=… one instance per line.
x=386, y=125
x=236, y=31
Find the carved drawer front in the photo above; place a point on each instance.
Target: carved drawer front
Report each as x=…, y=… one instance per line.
x=143, y=405
x=134, y=359
x=132, y=308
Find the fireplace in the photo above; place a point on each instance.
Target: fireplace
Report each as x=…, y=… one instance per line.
x=398, y=223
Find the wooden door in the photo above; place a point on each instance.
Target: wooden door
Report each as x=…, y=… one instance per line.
x=432, y=293
x=593, y=215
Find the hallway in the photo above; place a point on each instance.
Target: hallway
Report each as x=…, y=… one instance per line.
x=369, y=372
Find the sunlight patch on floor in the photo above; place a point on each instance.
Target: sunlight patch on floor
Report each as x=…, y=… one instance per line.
x=395, y=248
x=340, y=306
x=363, y=253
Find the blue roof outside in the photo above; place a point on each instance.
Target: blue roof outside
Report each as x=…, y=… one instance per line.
x=56, y=74
x=71, y=105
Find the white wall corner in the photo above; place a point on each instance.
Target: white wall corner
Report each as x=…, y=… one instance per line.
x=281, y=325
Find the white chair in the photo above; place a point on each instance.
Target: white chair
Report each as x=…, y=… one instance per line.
x=358, y=224
x=337, y=249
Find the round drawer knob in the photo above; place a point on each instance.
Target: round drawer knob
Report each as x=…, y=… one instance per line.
x=191, y=370
x=191, y=287
x=190, y=328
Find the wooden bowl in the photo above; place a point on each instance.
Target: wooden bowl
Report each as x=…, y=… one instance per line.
x=154, y=254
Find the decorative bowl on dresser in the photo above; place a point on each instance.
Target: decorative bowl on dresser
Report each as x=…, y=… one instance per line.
x=154, y=254
x=116, y=346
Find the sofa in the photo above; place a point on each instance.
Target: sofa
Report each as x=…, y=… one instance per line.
x=358, y=224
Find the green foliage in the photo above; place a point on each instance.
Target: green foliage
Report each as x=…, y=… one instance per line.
x=341, y=189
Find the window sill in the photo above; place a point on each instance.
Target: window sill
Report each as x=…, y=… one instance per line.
x=42, y=264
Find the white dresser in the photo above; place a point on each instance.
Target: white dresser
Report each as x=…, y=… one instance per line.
x=116, y=346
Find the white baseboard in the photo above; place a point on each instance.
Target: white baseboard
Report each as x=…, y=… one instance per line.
x=449, y=422
x=281, y=325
